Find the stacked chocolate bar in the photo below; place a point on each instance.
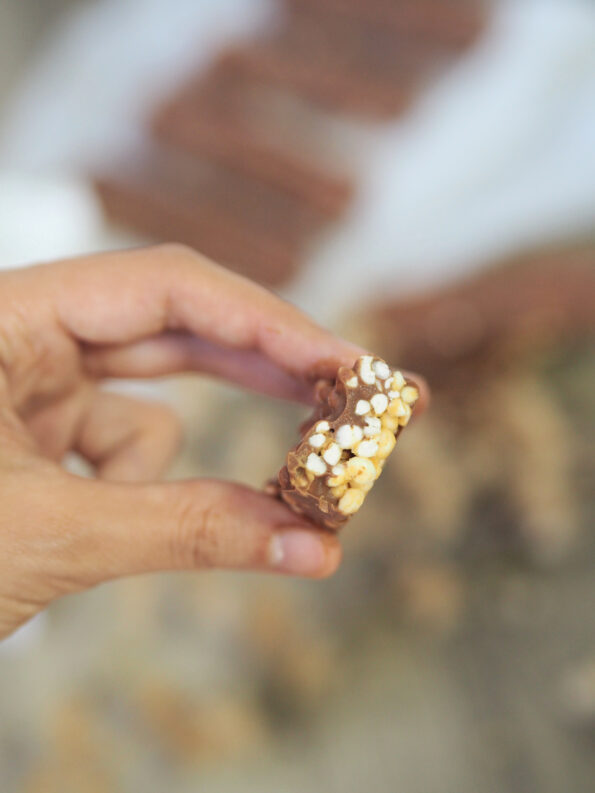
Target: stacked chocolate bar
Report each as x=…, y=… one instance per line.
x=243, y=163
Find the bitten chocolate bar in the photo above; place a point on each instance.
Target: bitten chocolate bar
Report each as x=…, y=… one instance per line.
x=346, y=442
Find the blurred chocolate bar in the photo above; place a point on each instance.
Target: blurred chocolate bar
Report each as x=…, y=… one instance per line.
x=242, y=126
x=542, y=299
x=452, y=23
x=359, y=46
x=250, y=164
x=330, y=85
x=250, y=228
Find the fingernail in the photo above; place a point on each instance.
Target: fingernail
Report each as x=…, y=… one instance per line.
x=300, y=552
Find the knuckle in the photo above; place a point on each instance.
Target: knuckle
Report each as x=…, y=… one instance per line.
x=199, y=539
x=177, y=251
x=183, y=256
x=208, y=547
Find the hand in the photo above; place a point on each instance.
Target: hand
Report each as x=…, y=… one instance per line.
x=66, y=326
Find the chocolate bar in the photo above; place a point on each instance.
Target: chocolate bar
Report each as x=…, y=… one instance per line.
x=346, y=442
x=453, y=23
x=361, y=47
x=248, y=127
x=237, y=147
x=350, y=93
x=247, y=226
x=541, y=299
x=256, y=160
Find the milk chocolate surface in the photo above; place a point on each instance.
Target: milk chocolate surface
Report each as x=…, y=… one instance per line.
x=346, y=442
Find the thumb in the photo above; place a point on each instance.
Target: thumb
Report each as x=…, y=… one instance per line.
x=130, y=529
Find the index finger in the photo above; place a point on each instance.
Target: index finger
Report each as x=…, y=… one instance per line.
x=127, y=308
x=123, y=297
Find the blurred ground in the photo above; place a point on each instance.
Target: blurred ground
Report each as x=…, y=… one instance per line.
x=449, y=655
x=429, y=663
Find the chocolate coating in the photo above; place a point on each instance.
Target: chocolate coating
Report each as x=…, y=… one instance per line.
x=311, y=494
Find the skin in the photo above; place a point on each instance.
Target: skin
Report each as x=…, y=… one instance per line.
x=65, y=327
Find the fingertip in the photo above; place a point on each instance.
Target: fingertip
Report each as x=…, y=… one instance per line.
x=334, y=556
x=303, y=552
x=424, y=392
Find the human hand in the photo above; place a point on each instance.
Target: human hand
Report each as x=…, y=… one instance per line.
x=66, y=326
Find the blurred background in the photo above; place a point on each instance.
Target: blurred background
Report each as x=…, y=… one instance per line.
x=419, y=174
